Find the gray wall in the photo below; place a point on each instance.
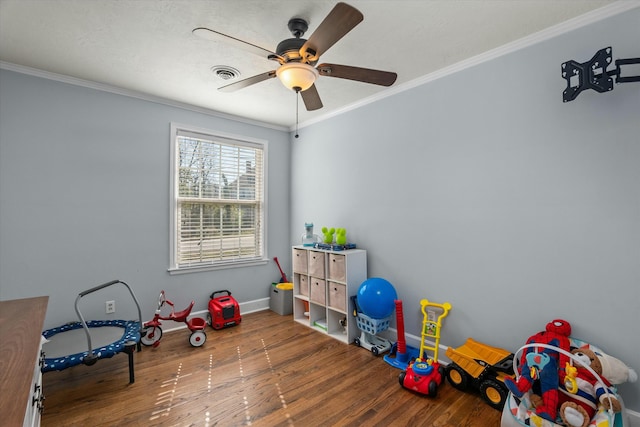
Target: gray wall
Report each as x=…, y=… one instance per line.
x=483, y=189
x=84, y=198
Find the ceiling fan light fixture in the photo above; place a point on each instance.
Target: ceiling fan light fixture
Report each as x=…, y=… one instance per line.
x=297, y=76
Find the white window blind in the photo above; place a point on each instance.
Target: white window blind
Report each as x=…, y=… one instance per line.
x=218, y=200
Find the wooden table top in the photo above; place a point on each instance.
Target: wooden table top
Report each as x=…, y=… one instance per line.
x=21, y=323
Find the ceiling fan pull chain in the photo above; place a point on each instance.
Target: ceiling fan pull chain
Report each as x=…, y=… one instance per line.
x=297, y=100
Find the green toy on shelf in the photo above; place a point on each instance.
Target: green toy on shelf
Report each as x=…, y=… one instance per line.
x=328, y=234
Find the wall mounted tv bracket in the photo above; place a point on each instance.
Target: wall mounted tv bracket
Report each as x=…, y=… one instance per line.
x=593, y=74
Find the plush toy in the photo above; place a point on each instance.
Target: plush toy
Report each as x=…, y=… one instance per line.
x=615, y=370
x=328, y=235
x=540, y=365
x=341, y=236
x=581, y=393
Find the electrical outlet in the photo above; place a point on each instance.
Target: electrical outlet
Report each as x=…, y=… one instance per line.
x=110, y=307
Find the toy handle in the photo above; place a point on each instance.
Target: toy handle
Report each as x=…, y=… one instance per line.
x=533, y=372
x=218, y=292
x=161, y=300
x=571, y=384
x=282, y=275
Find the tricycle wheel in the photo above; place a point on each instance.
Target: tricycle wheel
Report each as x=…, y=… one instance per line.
x=197, y=338
x=209, y=320
x=494, y=393
x=151, y=335
x=433, y=389
x=401, y=377
x=457, y=376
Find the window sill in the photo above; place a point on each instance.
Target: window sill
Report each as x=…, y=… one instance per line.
x=201, y=268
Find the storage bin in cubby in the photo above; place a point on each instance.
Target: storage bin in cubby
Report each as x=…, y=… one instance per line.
x=318, y=291
x=337, y=269
x=300, y=261
x=304, y=285
x=316, y=264
x=337, y=296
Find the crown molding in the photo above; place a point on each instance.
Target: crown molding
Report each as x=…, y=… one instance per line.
x=132, y=94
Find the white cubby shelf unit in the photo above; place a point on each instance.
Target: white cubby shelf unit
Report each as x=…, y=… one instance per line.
x=323, y=283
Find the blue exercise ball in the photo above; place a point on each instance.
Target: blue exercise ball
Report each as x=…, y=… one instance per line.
x=376, y=298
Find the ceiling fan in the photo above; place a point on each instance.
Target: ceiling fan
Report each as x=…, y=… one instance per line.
x=298, y=56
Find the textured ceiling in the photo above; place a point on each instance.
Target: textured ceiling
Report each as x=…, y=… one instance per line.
x=147, y=45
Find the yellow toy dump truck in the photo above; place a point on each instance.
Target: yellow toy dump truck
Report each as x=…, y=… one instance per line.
x=482, y=367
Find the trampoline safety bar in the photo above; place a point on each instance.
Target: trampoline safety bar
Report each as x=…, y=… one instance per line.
x=91, y=358
x=593, y=74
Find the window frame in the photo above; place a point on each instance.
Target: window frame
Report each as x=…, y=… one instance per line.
x=178, y=130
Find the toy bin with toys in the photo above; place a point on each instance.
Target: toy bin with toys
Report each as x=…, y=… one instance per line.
x=281, y=299
x=582, y=390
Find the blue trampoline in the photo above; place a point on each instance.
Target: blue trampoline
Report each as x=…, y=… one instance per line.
x=87, y=341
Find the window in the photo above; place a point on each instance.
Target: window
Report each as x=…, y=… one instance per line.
x=217, y=200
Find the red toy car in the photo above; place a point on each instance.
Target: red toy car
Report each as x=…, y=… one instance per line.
x=224, y=311
x=423, y=377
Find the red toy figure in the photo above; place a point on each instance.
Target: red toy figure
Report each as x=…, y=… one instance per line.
x=543, y=366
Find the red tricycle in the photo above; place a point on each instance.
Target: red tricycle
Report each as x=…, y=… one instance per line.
x=424, y=375
x=152, y=332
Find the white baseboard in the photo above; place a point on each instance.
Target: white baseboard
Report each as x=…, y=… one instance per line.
x=634, y=418
x=255, y=305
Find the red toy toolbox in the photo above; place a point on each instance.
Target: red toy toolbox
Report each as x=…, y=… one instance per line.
x=224, y=311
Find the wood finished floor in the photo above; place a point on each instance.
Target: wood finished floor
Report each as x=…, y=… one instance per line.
x=267, y=371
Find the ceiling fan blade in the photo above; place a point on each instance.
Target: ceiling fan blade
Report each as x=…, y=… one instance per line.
x=342, y=19
x=247, y=82
x=311, y=98
x=208, y=34
x=366, y=75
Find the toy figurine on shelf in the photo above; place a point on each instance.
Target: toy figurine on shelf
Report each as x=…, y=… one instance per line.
x=308, y=238
x=328, y=234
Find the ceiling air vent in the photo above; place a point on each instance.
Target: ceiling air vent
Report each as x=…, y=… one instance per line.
x=224, y=72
